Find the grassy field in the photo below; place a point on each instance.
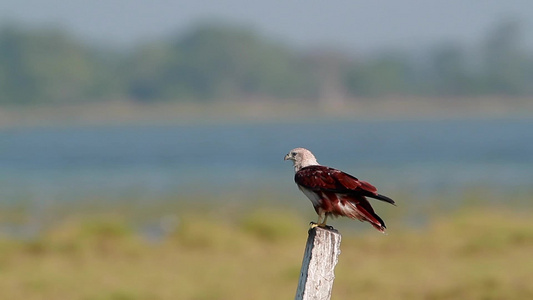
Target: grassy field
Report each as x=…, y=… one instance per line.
x=467, y=254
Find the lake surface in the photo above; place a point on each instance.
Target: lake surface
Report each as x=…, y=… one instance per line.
x=148, y=161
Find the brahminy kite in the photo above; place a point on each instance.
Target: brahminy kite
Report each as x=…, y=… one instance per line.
x=333, y=192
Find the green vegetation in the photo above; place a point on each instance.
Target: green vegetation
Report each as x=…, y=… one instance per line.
x=468, y=254
x=214, y=62
x=47, y=66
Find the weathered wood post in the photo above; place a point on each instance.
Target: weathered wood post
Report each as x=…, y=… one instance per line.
x=320, y=257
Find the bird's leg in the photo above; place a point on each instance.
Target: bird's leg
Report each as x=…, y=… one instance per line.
x=313, y=224
x=322, y=217
x=323, y=224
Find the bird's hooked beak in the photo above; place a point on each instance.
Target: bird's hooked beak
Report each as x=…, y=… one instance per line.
x=287, y=157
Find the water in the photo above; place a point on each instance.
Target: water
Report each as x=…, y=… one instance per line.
x=151, y=161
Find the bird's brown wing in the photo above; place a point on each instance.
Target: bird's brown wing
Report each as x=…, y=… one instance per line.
x=322, y=178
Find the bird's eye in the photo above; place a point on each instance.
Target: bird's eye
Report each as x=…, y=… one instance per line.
x=293, y=154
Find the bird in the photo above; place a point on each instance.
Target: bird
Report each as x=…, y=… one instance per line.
x=334, y=192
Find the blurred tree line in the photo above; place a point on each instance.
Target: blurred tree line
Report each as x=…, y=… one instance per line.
x=219, y=61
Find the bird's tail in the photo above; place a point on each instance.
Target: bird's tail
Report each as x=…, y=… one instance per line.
x=366, y=213
x=381, y=228
x=373, y=219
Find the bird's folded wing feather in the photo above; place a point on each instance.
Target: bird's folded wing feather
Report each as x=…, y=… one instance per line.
x=326, y=179
x=331, y=180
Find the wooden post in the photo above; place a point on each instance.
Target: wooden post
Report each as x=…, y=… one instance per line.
x=320, y=257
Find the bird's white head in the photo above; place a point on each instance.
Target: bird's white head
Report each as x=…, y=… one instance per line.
x=301, y=157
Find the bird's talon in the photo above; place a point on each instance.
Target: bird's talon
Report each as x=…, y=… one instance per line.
x=321, y=225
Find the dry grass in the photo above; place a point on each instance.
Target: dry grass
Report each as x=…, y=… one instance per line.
x=466, y=255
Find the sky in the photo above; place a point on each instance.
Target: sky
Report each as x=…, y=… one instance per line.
x=353, y=24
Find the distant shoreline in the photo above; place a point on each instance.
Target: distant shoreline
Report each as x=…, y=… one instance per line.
x=122, y=112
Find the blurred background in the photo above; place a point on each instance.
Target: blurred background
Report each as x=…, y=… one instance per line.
x=142, y=144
